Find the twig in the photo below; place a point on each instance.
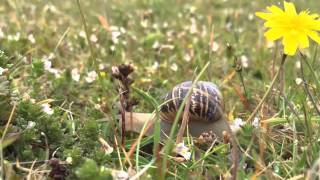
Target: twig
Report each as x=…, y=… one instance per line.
x=255, y=111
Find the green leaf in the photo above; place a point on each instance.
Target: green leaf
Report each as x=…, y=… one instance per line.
x=11, y=138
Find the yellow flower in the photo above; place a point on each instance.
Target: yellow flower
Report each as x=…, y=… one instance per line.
x=293, y=28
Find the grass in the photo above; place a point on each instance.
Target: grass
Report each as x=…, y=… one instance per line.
x=165, y=41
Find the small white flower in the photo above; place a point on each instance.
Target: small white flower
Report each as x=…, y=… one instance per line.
x=115, y=36
x=187, y=57
x=156, y=45
x=174, y=67
x=91, y=76
x=244, y=61
x=193, y=28
x=298, y=81
x=93, y=38
x=215, y=46
x=256, y=122
x=270, y=44
x=298, y=64
x=1, y=34
x=2, y=70
x=97, y=106
x=82, y=34
x=119, y=175
x=155, y=65
x=56, y=72
x=31, y=38
x=237, y=124
x=250, y=16
x=30, y=125
x=47, y=64
x=75, y=74
x=183, y=150
x=47, y=109
x=165, y=24
x=122, y=30
x=15, y=37
x=69, y=160
x=112, y=48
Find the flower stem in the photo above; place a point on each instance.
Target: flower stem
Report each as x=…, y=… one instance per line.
x=255, y=111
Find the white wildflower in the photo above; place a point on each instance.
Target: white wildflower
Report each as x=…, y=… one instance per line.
x=270, y=44
x=244, y=61
x=75, y=74
x=256, y=122
x=56, y=72
x=174, y=67
x=156, y=45
x=91, y=76
x=113, y=48
x=82, y=34
x=298, y=64
x=183, y=150
x=155, y=65
x=193, y=28
x=31, y=125
x=250, y=16
x=2, y=70
x=31, y=38
x=47, y=109
x=187, y=57
x=97, y=106
x=115, y=36
x=215, y=46
x=15, y=37
x=1, y=34
x=165, y=24
x=119, y=175
x=298, y=81
x=237, y=124
x=144, y=23
x=122, y=30
x=93, y=38
x=102, y=66
x=69, y=160
x=47, y=64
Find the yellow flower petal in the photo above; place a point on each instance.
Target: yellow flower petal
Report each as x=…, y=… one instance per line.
x=314, y=36
x=303, y=41
x=273, y=34
x=274, y=9
x=289, y=8
x=290, y=45
x=265, y=16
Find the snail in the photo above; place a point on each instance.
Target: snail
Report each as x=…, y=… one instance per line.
x=206, y=113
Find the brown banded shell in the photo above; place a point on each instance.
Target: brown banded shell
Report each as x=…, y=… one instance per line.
x=206, y=102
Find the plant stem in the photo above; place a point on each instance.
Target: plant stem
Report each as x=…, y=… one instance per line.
x=94, y=62
x=255, y=111
x=306, y=86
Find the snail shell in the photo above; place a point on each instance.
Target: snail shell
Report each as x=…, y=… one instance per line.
x=206, y=102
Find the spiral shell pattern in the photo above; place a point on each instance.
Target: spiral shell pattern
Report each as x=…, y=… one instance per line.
x=206, y=102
